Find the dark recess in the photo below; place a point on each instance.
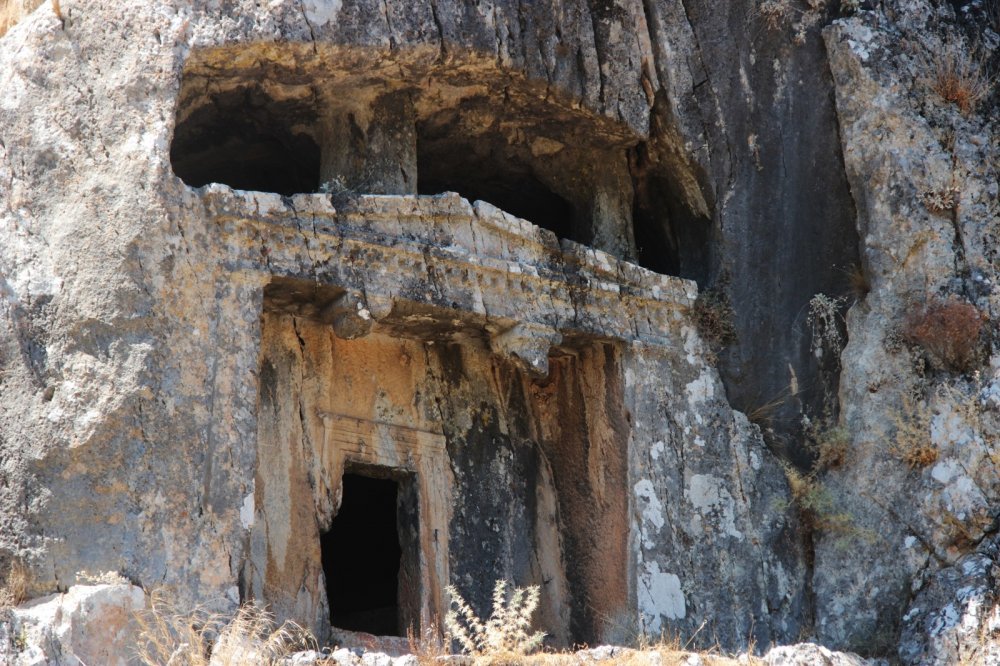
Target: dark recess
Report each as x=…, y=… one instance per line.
x=244, y=139
x=488, y=174
x=669, y=238
x=362, y=556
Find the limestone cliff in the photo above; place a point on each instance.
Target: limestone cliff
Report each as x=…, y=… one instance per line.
x=508, y=270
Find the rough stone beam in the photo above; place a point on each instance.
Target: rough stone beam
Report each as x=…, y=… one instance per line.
x=349, y=315
x=527, y=345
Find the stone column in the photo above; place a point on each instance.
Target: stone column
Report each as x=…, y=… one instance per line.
x=611, y=210
x=371, y=148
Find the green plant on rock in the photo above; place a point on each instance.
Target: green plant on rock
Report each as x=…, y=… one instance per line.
x=507, y=631
x=829, y=442
x=817, y=505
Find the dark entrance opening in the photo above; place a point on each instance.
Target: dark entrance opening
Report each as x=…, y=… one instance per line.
x=245, y=139
x=670, y=239
x=483, y=170
x=363, y=559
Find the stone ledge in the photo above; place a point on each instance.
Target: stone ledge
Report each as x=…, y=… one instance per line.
x=441, y=251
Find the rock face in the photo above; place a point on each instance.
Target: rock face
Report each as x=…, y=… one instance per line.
x=918, y=485
x=333, y=304
x=234, y=315
x=948, y=619
x=89, y=624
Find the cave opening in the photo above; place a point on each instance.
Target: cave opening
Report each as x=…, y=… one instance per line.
x=365, y=556
x=670, y=238
x=244, y=138
x=487, y=169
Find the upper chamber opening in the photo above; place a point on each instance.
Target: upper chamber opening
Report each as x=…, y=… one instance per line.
x=342, y=123
x=245, y=138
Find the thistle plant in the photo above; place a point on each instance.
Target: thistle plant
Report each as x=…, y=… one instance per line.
x=507, y=631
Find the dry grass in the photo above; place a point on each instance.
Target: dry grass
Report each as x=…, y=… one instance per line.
x=911, y=442
x=985, y=649
x=857, y=281
x=959, y=77
x=14, y=584
x=198, y=637
x=505, y=639
x=250, y=638
x=830, y=443
x=764, y=414
x=428, y=646
x=714, y=317
x=948, y=330
x=664, y=651
x=12, y=11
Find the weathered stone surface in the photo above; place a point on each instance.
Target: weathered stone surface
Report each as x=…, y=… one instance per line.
x=537, y=427
x=188, y=369
x=954, y=618
x=810, y=654
x=745, y=110
x=175, y=396
x=89, y=624
x=918, y=486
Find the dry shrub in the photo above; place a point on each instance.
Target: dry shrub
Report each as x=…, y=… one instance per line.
x=826, y=323
x=507, y=633
x=830, y=443
x=775, y=13
x=714, y=316
x=14, y=584
x=816, y=504
x=942, y=200
x=12, y=11
x=200, y=638
x=959, y=77
x=912, y=440
x=948, y=330
x=428, y=646
x=918, y=456
x=802, y=16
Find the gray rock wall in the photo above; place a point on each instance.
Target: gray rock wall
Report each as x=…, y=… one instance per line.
x=919, y=479
x=134, y=308
x=701, y=140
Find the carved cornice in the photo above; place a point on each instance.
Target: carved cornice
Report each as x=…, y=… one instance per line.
x=451, y=257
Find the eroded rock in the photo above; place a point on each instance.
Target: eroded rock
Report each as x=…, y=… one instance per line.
x=191, y=370
x=89, y=624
